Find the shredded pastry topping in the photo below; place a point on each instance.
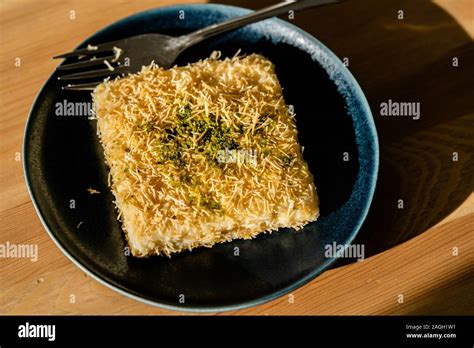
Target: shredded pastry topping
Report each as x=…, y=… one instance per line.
x=203, y=153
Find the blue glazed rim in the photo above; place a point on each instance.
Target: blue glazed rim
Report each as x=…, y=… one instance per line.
x=346, y=85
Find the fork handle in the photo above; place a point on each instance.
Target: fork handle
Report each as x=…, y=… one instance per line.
x=267, y=12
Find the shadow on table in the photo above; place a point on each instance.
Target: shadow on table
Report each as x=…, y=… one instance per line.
x=426, y=168
x=447, y=297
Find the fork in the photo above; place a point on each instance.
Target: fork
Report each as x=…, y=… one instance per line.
x=131, y=54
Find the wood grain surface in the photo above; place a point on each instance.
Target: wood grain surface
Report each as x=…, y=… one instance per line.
x=422, y=252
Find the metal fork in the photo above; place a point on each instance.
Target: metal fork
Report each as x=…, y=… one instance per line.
x=129, y=55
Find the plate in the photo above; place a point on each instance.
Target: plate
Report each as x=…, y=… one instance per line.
x=63, y=158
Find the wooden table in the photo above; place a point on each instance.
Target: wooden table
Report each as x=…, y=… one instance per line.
x=422, y=252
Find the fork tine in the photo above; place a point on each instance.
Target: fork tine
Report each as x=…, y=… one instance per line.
x=85, y=64
x=82, y=87
x=82, y=52
x=101, y=48
x=92, y=74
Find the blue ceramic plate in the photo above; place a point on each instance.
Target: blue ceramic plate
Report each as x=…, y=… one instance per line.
x=62, y=158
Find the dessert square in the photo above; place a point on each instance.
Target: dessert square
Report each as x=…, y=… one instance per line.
x=202, y=154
